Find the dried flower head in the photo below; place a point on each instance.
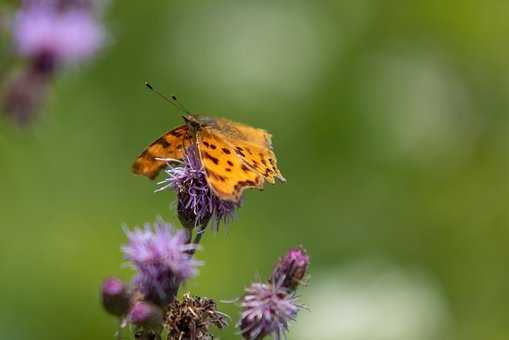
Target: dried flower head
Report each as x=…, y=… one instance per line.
x=162, y=259
x=267, y=309
x=44, y=28
x=196, y=203
x=192, y=317
x=291, y=269
x=115, y=297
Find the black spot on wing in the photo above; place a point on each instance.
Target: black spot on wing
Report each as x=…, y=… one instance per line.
x=161, y=141
x=239, y=150
x=212, y=174
x=212, y=158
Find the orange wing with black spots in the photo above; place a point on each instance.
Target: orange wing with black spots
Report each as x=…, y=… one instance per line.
x=170, y=145
x=253, y=146
x=227, y=174
x=260, y=159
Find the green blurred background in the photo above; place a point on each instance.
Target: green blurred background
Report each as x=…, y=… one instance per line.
x=390, y=123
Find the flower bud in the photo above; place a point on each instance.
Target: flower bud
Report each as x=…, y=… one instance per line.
x=115, y=297
x=291, y=269
x=146, y=315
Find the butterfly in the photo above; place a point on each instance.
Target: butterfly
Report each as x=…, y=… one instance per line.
x=234, y=156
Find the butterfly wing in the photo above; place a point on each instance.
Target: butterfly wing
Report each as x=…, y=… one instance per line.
x=170, y=145
x=253, y=146
x=260, y=159
x=243, y=132
x=227, y=175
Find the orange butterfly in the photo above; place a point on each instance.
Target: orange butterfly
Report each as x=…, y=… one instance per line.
x=234, y=156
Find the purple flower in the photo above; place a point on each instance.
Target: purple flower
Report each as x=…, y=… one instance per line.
x=267, y=309
x=291, y=268
x=162, y=258
x=196, y=202
x=48, y=33
x=67, y=36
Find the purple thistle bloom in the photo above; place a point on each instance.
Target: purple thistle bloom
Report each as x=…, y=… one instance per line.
x=49, y=33
x=162, y=259
x=267, y=309
x=42, y=28
x=291, y=268
x=196, y=202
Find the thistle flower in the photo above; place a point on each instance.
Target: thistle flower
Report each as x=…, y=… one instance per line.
x=48, y=33
x=62, y=34
x=115, y=298
x=291, y=268
x=192, y=317
x=196, y=202
x=267, y=309
x=162, y=259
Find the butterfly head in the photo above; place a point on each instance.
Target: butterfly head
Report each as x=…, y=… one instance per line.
x=192, y=122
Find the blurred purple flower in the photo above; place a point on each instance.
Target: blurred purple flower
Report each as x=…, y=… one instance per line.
x=196, y=203
x=49, y=33
x=162, y=259
x=267, y=309
x=291, y=268
x=66, y=36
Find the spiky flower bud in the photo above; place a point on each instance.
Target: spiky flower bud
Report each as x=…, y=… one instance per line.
x=291, y=269
x=115, y=297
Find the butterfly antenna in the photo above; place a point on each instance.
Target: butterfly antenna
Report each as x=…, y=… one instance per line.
x=172, y=99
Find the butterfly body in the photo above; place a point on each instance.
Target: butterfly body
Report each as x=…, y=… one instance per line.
x=234, y=156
